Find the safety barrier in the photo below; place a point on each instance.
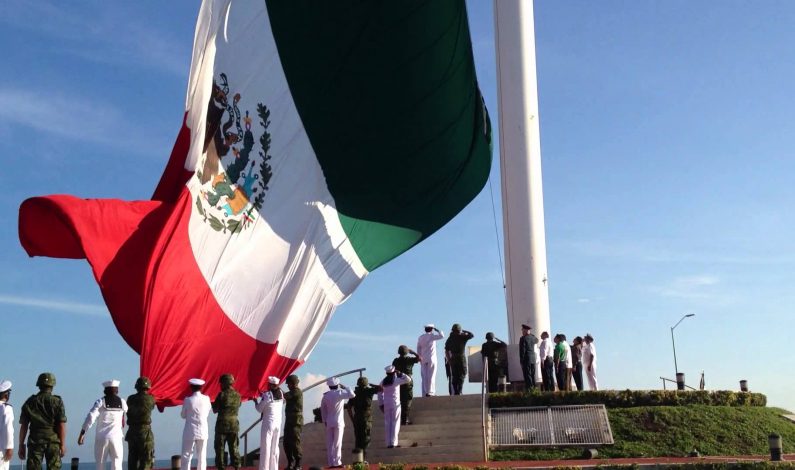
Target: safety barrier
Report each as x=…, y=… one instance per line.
x=538, y=426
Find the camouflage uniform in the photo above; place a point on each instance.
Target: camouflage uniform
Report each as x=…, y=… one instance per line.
x=227, y=426
x=455, y=351
x=140, y=439
x=405, y=364
x=362, y=405
x=43, y=413
x=293, y=424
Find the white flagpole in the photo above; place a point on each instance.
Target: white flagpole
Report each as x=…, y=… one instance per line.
x=527, y=296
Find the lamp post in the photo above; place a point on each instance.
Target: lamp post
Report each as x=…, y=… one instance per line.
x=673, y=343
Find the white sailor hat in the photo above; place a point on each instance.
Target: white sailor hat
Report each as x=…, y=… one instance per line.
x=5, y=385
x=332, y=382
x=430, y=325
x=111, y=383
x=196, y=382
x=273, y=380
x=389, y=369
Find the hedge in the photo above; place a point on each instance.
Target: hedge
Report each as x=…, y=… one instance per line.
x=761, y=465
x=627, y=398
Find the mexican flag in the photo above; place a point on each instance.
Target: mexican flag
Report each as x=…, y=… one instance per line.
x=320, y=141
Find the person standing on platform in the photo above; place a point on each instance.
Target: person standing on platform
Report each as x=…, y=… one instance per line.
x=195, y=410
x=491, y=350
x=389, y=399
x=227, y=426
x=576, y=359
x=426, y=349
x=6, y=426
x=405, y=364
x=547, y=365
x=108, y=414
x=360, y=411
x=140, y=440
x=293, y=423
x=44, y=416
x=589, y=361
x=455, y=353
x=331, y=408
x=557, y=354
x=527, y=357
x=271, y=406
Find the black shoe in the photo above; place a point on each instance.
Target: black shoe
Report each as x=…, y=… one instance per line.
x=390, y=447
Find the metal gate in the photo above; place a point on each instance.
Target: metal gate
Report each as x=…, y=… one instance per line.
x=575, y=425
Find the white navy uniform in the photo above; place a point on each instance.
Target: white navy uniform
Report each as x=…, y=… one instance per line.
x=389, y=397
x=331, y=407
x=426, y=350
x=108, y=414
x=271, y=409
x=589, y=351
x=6, y=433
x=195, y=410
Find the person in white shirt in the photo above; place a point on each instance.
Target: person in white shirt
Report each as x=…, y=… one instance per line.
x=6, y=426
x=195, y=410
x=545, y=352
x=331, y=412
x=108, y=414
x=271, y=407
x=568, y=364
x=389, y=399
x=426, y=350
x=589, y=361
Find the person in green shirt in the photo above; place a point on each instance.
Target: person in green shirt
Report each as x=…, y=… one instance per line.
x=43, y=422
x=227, y=426
x=293, y=423
x=140, y=439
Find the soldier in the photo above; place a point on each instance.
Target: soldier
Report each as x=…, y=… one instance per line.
x=293, y=423
x=388, y=398
x=454, y=350
x=405, y=364
x=528, y=357
x=44, y=416
x=331, y=406
x=271, y=407
x=491, y=350
x=227, y=426
x=140, y=440
x=360, y=411
x=6, y=426
x=108, y=414
x=195, y=410
x=426, y=349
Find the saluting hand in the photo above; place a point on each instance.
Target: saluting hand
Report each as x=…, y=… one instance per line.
x=8, y=455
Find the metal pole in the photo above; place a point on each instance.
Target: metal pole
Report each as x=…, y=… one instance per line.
x=676, y=367
x=483, y=396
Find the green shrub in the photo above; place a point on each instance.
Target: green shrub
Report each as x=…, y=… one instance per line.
x=390, y=466
x=627, y=398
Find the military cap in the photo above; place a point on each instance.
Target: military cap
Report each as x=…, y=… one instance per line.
x=430, y=325
x=362, y=382
x=403, y=349
x=390, y=369
x=292, y=379
x=526, y=327
x=332, y=382
x=273, y=380
x=46, y=379
x=196, y=382
x=143, y=383
x=5, y=386
x=111, y=383
x=489, y=335
x=456, y=327
x=227, y=379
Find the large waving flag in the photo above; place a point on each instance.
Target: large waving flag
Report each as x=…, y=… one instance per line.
x=321, y=140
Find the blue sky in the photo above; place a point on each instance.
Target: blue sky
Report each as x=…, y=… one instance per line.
x=667, y=155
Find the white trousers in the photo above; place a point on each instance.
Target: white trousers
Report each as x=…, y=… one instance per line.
x=334, y=445
x=188, y=446
x=428, y=372
x=109, y=449
x=4, y=464
x=269, y=448
x=591, y=378
x=391, y=424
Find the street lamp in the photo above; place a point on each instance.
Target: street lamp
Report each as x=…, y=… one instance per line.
x=676, y=367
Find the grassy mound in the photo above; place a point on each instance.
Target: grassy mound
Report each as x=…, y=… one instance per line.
x=673, y=431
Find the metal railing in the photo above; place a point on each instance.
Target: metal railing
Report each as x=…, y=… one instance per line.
x=484, y=397
x=539, y=426
x=665, y=379
x=244, y=434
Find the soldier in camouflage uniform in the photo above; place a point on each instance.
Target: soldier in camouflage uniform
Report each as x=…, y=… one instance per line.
x=360, y=412
x=405, y=364
x=44, y=416
x=293, y=423
x=455, y=355
x=140, y=439
x=227, y=426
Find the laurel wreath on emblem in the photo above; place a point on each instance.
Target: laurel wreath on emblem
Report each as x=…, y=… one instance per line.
x=234, y=180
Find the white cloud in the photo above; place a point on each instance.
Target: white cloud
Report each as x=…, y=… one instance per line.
x=312, y=397
x=55, y=305
x=352, y=338
x=689, y=287
x=583, y=300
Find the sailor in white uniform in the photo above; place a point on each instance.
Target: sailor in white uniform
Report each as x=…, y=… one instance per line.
x=195, y=410
x=389, y=399
x=271, y=406
x=6, y=426
x=426, y=350
x=331, y=406
x=108, y=414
